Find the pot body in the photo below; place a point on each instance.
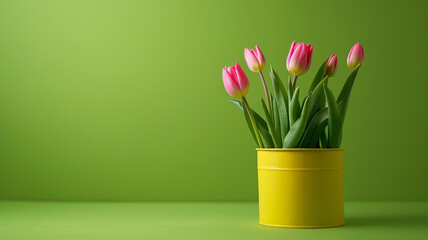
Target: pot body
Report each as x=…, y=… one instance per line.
x=301, y=188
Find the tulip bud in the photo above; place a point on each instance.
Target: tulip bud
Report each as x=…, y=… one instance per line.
x=235, y=81
x=331, y=67
x=255, y=59
x=299, y=58
x=356, y=56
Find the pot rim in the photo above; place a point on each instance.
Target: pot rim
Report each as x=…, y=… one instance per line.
x=299, y=149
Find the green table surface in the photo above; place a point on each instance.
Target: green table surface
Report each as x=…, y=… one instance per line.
x=196, y=220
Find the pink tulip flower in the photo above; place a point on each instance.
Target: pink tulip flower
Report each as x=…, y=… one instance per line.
x=255, y=59
x=299, y=58
x=356, y=56
x=235, y=81
x=331, y=67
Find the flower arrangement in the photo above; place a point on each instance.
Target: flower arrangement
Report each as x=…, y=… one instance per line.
x=287, y=123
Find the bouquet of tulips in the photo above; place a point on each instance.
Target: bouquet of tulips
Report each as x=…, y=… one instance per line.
x=289, y=123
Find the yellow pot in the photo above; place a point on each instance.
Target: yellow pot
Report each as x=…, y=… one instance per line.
x=301, y=187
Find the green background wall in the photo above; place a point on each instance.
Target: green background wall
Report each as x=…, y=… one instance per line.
x=123, y=100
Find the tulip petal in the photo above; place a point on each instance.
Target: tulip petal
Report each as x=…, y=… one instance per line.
x=229, y=84
x=351, y=54
x=251, y=59
x=290, y=53
x=241, y=79
x=260, y=57
x=355, y=56
x=297, y=65
x=331, y=67
x=309, y=57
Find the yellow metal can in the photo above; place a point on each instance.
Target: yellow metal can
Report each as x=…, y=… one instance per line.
x=301, y=187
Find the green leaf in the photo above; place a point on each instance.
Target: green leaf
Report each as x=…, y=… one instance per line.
x=250, y=126
x=247, y=119
x=282, y=103
x=319, y=76
x=294, y=107
x=324, y=140
x=314, y=129
x=346, y=92
x=334, y=120
x=276, y=122
x=237, y=103
x=317, y=99
x=270, y=124
x=290, y=88
x=274, y=112
x=261, y=124
x=293, y=136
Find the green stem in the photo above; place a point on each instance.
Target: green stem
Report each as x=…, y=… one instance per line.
x=324, y=104
x=253, y=121
x=266, y=92
x=294, y=82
